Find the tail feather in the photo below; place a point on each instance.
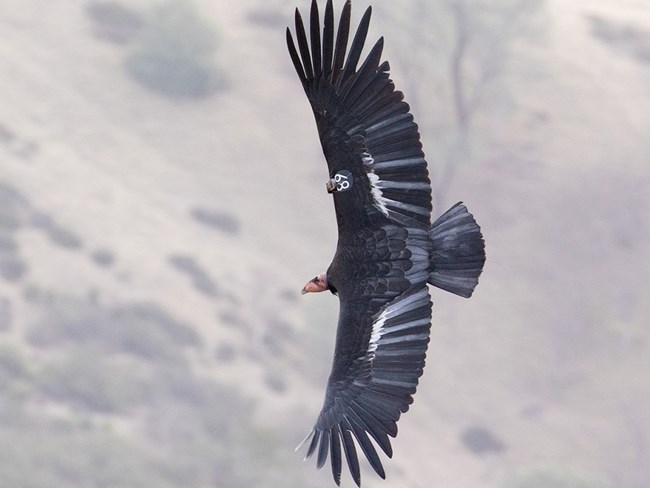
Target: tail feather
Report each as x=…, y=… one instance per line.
x=458, y=251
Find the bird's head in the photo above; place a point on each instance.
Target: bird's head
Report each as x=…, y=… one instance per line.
x=319, y=283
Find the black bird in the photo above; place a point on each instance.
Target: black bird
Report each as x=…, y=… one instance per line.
x=388, y=250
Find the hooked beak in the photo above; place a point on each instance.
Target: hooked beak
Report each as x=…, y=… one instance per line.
x=319, y=283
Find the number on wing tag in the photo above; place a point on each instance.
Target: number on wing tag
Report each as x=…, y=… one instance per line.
x=343, y=180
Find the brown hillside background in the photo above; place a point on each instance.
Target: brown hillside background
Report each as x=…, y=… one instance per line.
x=154, y=241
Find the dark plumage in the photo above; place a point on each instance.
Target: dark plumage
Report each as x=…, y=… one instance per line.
x=388, y=250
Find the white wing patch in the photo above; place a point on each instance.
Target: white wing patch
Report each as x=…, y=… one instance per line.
x=377, y=329
x=407, y=205
x=377, y=195
x=389, y=322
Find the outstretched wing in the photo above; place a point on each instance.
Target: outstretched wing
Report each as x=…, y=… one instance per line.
x=369, y=139
x=372, y=381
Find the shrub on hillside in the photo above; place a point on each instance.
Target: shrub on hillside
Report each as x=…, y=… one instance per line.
x=173, y=54
x=216, y=219
x=13, y=366
x=114, y=21
x=12, y=268
x=200, y=277
x=632, y=39
x=14, y=207
x=59, y=454
x=143, y=330
x=58, y=234
x=480, y=440
x=6, y=314
x=554, y=477
x=103, y=257
x=86, y=379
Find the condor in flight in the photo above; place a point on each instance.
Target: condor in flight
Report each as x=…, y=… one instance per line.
x=388, y=250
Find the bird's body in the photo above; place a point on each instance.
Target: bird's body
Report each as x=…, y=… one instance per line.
x=388, y=250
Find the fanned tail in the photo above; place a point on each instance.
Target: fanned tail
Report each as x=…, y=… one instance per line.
x=458, y=251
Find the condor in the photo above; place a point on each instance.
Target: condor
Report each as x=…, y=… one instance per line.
x=388, y=250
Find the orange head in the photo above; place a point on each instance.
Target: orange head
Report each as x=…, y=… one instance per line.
x=319, y=283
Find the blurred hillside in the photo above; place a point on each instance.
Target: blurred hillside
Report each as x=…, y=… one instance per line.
x=162, y=203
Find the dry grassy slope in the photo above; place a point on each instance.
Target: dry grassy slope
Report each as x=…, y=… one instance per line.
x=597, y=105
x=598, y=92
x=122, y=167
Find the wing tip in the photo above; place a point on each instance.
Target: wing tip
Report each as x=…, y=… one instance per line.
x=304, y=441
